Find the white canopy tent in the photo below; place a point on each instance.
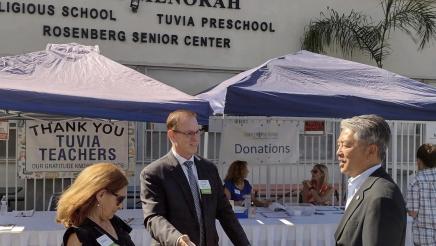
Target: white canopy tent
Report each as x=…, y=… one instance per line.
x=76, y=80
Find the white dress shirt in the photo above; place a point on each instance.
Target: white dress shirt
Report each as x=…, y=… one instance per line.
x=354, y=183
x=182, y=160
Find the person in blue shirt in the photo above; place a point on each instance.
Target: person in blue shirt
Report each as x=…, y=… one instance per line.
x=236, y=186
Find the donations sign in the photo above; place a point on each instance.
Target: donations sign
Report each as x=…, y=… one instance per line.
x=259, y=141
x=70, y=146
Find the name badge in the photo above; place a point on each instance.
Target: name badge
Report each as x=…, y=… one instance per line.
x=237, y=192
x=204, y=187
x=106, y=241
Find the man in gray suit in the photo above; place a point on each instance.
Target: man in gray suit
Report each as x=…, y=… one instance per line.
x=375, y=211
x=182, y=194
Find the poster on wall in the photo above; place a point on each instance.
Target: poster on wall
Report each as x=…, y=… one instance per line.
x=64, y=148
x=259, y=141
x=430, y=133
x=4, y=130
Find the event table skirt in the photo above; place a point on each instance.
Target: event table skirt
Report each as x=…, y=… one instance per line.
x=315, y=230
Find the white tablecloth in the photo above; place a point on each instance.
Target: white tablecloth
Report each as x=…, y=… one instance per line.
x=316, y=230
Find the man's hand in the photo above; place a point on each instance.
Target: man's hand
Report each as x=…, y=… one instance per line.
x=184, y=241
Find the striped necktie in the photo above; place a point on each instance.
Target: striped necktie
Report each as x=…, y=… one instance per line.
x=196, y=195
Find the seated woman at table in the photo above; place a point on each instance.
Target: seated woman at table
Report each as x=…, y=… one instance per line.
x=87, y=208
x=317, y=190
x=236, y=186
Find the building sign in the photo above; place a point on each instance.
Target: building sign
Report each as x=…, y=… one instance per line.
x=69, y=146
x=134, y=29
x=259, y=141
x=161, y=19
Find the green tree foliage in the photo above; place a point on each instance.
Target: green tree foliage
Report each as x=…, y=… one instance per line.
x=417, y=18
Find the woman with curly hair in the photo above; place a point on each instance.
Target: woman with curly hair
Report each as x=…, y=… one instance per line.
x=236, y=186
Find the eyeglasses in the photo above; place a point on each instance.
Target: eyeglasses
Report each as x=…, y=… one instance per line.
x=314, y=171
x=190, y=133
x=119, y=198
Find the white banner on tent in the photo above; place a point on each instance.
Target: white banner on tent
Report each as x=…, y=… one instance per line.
x=70, y=146
x=259, y=141
x=430, y=133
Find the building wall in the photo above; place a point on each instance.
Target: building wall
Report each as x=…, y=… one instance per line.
x=181, y=63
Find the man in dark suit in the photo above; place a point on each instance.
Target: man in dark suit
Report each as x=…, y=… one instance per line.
x=375, y=211
x=182, y=194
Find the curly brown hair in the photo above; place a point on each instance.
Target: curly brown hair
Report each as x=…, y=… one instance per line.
x=235, y=172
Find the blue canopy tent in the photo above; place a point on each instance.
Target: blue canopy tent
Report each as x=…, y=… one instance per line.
x=305, y=84
x=75, y=80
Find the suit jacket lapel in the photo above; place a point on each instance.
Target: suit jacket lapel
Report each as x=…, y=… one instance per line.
x=202, y=173
x=354, y=204
x=180, y=178
x=357, y=201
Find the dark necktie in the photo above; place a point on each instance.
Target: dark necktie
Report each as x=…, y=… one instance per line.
x=196, y=196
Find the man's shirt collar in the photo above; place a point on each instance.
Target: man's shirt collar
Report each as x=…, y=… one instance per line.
x=180, y=159
x=354, y=183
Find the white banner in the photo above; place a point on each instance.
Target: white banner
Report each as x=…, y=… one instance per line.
x=259, y=141
x=70, y=146
x=430, y=133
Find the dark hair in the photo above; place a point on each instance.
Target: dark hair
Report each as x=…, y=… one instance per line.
x=427, y=154
x=234, y=173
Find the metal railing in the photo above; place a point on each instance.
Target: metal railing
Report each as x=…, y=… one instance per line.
x=279, y=182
